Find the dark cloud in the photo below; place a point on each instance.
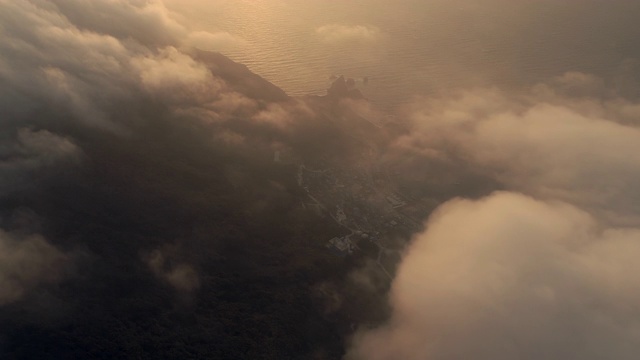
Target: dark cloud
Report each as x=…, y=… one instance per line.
x=152, y=163
x=27, y=261
x=27, y=156
x=180, y=275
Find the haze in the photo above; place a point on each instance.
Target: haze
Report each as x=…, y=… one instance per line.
x=289, y=179
x=410, y=47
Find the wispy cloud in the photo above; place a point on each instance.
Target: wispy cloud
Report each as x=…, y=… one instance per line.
x=336, y=33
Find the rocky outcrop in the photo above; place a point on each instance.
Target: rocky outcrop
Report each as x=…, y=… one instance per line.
x=240, y=78
x=343, y=88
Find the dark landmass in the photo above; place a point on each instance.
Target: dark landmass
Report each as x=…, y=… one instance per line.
x=266, y=284
x=341, y=88
x=239, y=77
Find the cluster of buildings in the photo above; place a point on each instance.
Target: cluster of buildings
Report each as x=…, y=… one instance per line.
x=361, y=198
x=342, y=246
x=365, y=205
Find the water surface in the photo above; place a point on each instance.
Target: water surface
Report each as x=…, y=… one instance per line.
x=421, y=47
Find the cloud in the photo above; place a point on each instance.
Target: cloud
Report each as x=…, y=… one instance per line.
x=336, y=33
x=522, y=279
x=180, y=275
x=27, y=261
x=541, y=270
x=75, y=73
x=577, y=149
x=29, y=155
x=577, y=83
x=176, y=77
x=283, y=115
x=75, y=56
x=146, y=21
x=37, y=148
x=119, y=136
x=29, y=158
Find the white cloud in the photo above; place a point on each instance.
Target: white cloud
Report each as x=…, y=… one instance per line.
x=544, y=271
x=87, y=56
x=147, y=21
x=336, y=33
x=282, y=115
x=510, y=277
x=578, y=150
x=172, y=74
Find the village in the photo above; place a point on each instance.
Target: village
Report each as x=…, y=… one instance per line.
x=364, y=201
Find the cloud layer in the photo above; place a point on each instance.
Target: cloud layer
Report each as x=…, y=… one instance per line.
x=128, y=140
x=542, y=270
x=510, y=277
x=80, y=59
x=548, y=142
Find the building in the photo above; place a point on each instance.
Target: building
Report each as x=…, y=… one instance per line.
x=396, y=201
x=341, y=245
